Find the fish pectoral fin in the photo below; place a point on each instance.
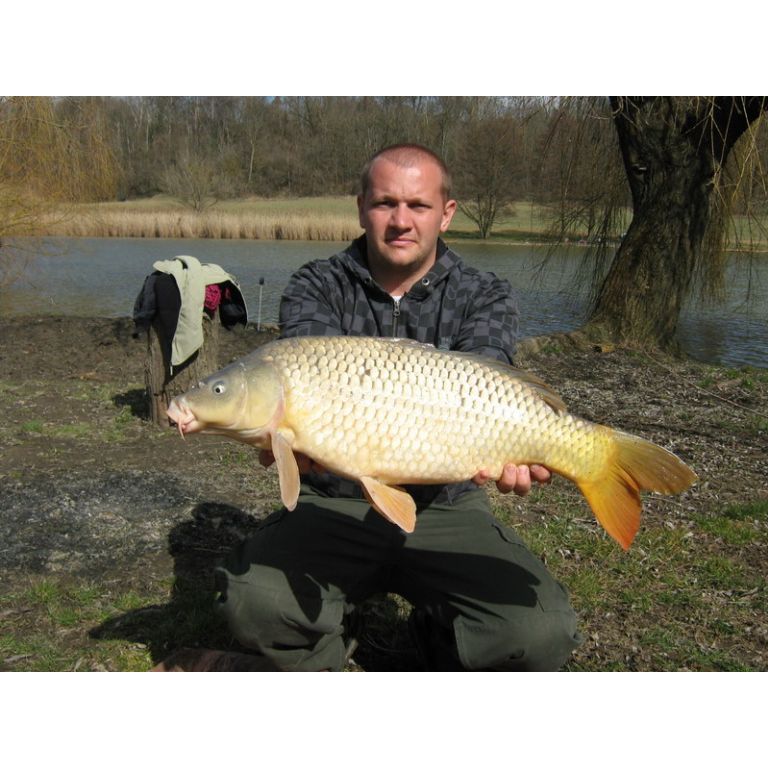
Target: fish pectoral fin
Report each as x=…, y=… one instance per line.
x=287, y=470
x=393, y=503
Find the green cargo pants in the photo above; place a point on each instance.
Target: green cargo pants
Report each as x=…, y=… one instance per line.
x=482, y=600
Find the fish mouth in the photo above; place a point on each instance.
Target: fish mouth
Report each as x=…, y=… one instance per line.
x=181, y=417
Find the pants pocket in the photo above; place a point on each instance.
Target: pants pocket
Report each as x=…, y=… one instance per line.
x=551, y=595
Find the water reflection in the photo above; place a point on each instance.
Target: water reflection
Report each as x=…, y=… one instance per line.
x=93, y=276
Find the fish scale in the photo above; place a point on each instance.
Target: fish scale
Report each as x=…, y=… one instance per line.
x=391, y=412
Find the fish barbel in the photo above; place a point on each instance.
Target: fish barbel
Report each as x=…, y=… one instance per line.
x=388, y=412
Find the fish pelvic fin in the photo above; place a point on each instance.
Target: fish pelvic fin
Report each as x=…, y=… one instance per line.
x=287, y=470
x=393, y=503
x=635, y=465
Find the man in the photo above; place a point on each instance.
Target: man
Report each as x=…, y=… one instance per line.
x=481, y=599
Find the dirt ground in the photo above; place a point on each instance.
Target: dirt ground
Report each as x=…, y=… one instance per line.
x=89, y=489
x=89, y=485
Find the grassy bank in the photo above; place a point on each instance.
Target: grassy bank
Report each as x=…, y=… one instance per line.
x=112, y=526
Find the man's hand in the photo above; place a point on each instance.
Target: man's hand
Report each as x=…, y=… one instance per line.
x=517, y=478
x=305, y=464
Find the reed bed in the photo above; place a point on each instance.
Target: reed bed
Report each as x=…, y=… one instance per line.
x=208, y=224
x=322, y=218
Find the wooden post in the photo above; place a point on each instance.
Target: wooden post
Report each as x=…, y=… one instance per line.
x=162, y=387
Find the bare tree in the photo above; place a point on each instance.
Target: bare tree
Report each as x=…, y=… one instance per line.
x=488, y=169
x=195, y=181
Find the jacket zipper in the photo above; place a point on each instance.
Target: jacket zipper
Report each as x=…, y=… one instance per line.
x=395, y=314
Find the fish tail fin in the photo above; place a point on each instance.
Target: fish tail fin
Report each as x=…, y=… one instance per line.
x=634, y=465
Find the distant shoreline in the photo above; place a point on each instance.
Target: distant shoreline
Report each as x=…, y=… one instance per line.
x=310, y=219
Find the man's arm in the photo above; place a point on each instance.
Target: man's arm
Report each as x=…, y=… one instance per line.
x=490, y=324
x=307, y=307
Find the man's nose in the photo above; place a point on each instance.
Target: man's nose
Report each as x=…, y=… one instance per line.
x=401, y=217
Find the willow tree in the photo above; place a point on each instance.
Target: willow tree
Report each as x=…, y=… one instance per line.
x=675, y=152
x=52, y=152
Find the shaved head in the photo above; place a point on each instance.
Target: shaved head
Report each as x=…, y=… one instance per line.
x=406, y=156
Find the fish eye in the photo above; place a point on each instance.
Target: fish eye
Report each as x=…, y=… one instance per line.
x=219, y=388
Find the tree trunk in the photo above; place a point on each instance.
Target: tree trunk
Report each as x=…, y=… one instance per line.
x=161, y=385
x=673, y=152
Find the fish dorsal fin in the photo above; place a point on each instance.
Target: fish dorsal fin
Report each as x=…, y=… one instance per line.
x=287, y=470
x=393, y=503
x=541, y=388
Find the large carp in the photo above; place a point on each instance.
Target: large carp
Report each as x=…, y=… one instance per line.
x=387, y=412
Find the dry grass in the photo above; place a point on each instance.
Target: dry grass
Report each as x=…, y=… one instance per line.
x=329, y=218
x=233, y=225
x=320, y=218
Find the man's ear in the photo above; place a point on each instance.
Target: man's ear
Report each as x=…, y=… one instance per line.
x=448, y=210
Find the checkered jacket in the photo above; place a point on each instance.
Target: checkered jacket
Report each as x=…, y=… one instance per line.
x=454, y=307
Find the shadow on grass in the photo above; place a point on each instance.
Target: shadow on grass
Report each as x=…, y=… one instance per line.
x=136, y=400
x=189, y=619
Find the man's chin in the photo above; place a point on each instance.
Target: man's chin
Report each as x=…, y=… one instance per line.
x=402, y=255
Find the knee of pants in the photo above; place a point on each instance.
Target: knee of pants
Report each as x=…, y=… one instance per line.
x=542, y=643
x=293, y=624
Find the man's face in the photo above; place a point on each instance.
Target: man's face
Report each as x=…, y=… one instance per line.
x=403, y=214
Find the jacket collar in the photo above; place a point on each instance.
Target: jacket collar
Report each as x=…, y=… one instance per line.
x=355, y=259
